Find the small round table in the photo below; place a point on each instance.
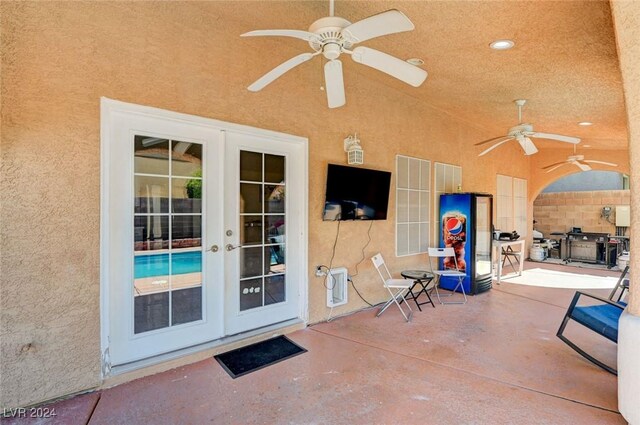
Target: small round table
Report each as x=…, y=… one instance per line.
x=421, y=280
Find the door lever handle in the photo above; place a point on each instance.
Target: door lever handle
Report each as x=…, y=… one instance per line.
x=214, y=248
x=231, y=247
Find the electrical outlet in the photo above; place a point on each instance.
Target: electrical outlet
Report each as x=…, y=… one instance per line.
x=319, y=272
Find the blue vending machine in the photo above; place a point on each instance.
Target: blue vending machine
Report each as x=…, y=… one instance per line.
x=465, y=223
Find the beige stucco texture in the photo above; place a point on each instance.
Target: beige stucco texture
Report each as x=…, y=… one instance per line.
x=60, y=58
x=626, y=17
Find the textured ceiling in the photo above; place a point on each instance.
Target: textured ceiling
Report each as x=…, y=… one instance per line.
x=564, y=62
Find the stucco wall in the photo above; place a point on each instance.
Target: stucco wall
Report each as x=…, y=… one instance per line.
x=626, y=18
x=60, y=58
x=560, y=211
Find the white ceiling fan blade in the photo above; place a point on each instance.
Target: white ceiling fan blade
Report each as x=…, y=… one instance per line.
x=593, y=161
x=582, y=165
x=334, y=83
x=527, y=145
x=389, y=22
x=554, y=164
x=388, y=64
x=276, y=72
x=556, y=167
x=495, y=146
x=302, y=35
x=558, y=137
x=491, y=140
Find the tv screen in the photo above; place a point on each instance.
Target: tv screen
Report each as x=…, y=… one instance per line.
x=356, y=193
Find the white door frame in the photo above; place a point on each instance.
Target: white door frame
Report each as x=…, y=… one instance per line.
x=109, y=108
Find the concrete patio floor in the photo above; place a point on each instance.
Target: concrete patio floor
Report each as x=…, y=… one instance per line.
x=495, y=360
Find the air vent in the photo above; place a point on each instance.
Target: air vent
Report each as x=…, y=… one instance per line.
x=337, y=293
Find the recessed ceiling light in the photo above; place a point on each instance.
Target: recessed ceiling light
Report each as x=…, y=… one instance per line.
x=586, y=146
x=585, y=123
x=415, y=61
x=502, y=44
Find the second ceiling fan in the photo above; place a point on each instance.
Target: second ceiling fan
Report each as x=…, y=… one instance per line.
x=332, y=36
x=578, y=161
x=523, y=133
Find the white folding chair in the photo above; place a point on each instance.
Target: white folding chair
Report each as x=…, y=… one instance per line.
x=399, y=285
x=438, y=253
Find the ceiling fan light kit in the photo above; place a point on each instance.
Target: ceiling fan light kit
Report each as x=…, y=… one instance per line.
x=523, y=133
x=332, y=36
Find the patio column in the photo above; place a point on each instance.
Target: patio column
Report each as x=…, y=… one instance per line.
x=626, y=18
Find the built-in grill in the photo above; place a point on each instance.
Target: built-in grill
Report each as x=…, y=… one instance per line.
x=586, y=247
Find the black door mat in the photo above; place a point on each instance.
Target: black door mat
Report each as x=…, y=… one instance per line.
x=259, y=355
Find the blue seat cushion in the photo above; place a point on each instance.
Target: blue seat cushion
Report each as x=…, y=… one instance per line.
x=602, y=319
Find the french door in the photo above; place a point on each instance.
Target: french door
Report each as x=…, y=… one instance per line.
x=263, y=217
x=203, y=232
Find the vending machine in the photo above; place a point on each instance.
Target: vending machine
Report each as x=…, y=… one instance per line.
x=465, y=225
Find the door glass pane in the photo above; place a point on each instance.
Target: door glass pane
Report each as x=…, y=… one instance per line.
x=273, y=168
x=186, y=231
x=274, y=259
x=151, y=312
x=251, y=229
x=250, y=293
x=186, y=305
x=274, y=289
x=274, y=199
x=151, y=232
x=151, y=155
x=167, y=286
x=250, y=198
x=274, y=231
x=186, y=269
x=151, y=273
x=250, y=166
x=186, y=159
x=250, y=262
x=186, y=195
x=262, y=225
x=151, y=195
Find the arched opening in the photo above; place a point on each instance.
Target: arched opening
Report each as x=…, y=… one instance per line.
x=583, y=219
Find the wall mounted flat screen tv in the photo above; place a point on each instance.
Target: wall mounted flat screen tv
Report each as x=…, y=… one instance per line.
x=356, y=193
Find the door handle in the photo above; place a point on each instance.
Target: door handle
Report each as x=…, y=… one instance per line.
x=214, y=248
x=231, y=247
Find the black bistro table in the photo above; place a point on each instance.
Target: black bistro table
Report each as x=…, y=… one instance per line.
x=421, y=280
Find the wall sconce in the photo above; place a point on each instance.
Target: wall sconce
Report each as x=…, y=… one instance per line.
x=355, y=154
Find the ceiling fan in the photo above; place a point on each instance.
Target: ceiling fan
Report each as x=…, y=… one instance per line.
x=331, y=36
x=578, y=161
x=523, y=133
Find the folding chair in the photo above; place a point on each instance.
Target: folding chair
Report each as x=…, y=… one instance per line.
x=399, y=285
x=507, y=253
x=438, y=253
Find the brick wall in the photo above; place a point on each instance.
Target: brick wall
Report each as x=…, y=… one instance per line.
x=558, y=212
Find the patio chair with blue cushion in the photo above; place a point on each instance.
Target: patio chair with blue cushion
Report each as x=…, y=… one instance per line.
x=602, y=318
x=622, y=286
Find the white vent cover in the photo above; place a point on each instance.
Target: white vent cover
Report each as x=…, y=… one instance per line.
x=337, y=293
